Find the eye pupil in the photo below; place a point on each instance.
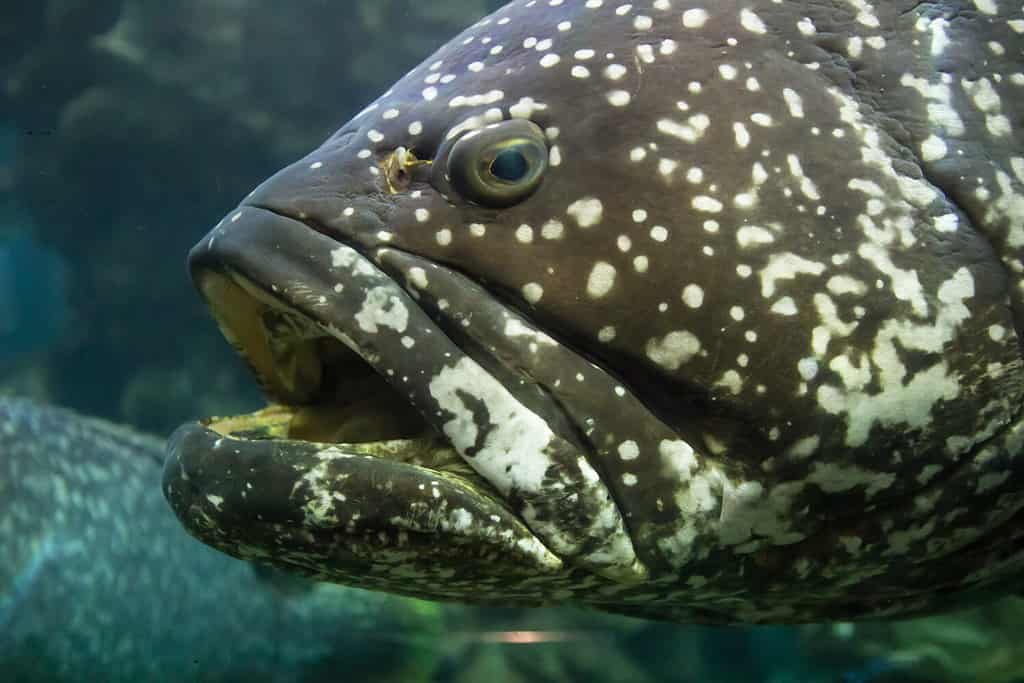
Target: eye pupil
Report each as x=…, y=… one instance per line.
x=510, y=165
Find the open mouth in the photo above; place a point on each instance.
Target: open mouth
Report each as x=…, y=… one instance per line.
x=343, y=351
x=330, y=338
x=327, y=335
x=358, y=367
x=341, y=475
x=322, y=390
x=363, y=452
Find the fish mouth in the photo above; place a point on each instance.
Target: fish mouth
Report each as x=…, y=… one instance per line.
x=321, y=389
x=341, y=477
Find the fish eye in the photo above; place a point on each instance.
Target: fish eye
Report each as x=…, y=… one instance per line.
x=499, y=166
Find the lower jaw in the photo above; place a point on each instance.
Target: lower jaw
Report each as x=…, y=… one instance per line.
x=354, y=513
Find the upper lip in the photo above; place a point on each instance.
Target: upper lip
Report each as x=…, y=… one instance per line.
x=272, y=261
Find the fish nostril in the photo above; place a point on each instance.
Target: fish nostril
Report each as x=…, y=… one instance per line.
x=402, y=167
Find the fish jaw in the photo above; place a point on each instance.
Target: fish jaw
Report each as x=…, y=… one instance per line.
x=338, y=513
x=295, y=301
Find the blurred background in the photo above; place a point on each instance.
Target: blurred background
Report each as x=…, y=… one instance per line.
x=127, y=129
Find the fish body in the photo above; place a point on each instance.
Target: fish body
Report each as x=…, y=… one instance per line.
x=99, y=582
x=707, y=311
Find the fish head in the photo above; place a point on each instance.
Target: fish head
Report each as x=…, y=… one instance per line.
x=622, y=306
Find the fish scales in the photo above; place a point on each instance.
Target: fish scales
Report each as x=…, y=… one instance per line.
x=725, y=300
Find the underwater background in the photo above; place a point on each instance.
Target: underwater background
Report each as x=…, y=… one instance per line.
x=127, y=129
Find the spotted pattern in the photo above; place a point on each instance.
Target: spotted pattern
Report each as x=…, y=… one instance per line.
x=777, y=265
x=97, y=575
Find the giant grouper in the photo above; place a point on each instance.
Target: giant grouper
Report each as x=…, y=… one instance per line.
x=691, y=310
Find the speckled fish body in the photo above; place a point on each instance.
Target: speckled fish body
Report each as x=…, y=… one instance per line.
x=748, y=349
x=99, y=582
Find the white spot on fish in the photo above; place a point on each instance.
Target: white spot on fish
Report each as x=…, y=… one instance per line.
x=987, y=6
x=693, y=296
x=752, y=22
x=808, y=368
x=742, y=135
x=674, y=349
x=587, y=211
x=785, y=306
x=533, y=292
x=695, y=18
x=525, y=108
x=794, y=102
x=618, y=98
x=629, y=450
x=552, y=230
x=418, y=277
x=601, y=279
x=706, y=204
x=614, y=72
x=381, y=308
x=933, y=148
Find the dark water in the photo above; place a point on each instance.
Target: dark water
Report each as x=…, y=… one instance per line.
x=127, y=129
